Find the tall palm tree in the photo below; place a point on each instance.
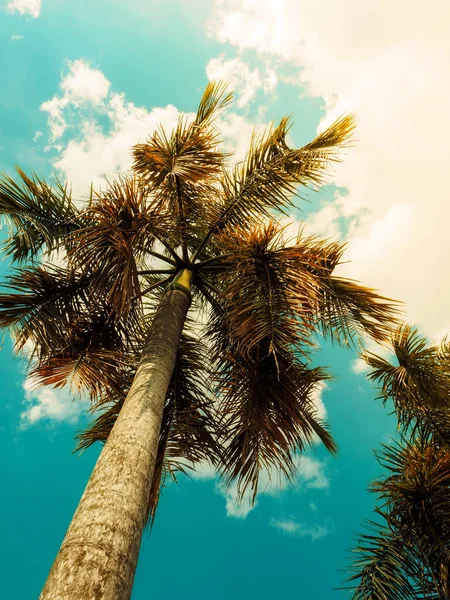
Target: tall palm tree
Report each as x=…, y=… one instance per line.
x=406, y=555
x=183, y=236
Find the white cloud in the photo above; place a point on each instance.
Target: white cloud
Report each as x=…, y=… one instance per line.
x=359, y=367
x=390, y=64
x=47, y=403
x=242, y=79
x=316, y=396
x=93, y=128
x=17, y=37
x=237, y=132
x=311, y=475
x=84, y=84
x=26, y=7
x=292, y=527
x=81, y=87
x=203, y=471
x=238, y=510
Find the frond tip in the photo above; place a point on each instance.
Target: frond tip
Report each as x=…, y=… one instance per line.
x=267, y=415
x=215, y=98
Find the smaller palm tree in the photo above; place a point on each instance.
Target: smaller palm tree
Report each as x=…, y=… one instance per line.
x=406, y=554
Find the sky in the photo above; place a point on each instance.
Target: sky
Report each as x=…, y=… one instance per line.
x=81, y=83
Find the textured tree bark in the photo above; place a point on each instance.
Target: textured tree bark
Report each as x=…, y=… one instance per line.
x=98, y=557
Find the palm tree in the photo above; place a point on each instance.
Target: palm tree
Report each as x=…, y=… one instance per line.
x=183, y=236
x=406, y=555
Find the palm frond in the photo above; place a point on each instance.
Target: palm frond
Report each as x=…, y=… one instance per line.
x=254, y=291
x=41, y=215
x=74, y=336
x=348, y=311
x=123, y=228
x=288, y=293
x=408, y=555
x=188, y=429
x=43, y=305
x=385, y=568
x=214, y=99
x=91, y=359
x=190, y=153
x=418, y=386
x=268, y=177
x=181, y=169
x=416, y=496
x=267, y=414
x=107, y=409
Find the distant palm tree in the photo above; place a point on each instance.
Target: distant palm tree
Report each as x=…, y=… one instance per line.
x=406, y=554
x=183, y=232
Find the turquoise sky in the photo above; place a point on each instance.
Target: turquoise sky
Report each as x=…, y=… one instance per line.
x=293, y=543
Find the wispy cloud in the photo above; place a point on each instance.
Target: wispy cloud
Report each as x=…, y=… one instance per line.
x=17, y=37
x=242, y=79
x=311, y=475
x=50, y=404
x=26, y=7
x=293, y=527
x=92, y=128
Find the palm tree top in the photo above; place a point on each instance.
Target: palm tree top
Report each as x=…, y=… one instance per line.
x=406, y=553
x=246, y=405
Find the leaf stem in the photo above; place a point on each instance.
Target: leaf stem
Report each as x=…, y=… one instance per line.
x=156, y=285
x=184, y=247
x=157, y=272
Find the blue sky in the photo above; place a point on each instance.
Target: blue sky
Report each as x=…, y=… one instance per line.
x=82, y=82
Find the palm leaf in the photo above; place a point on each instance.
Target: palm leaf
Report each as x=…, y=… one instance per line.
x=267, y=411
x=41, y=215
x=416, y=496
x=190, y=152
x=419, y=385
x=384, y=568
x=123, y=229
x=288, y=293
x=214, y=100
x=75, y=337
x=44, y=302
x=348, y=312
x=91, y=358
x=268, y=177
x=255, y=290
x=188, y=428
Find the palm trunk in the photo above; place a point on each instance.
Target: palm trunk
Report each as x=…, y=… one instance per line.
x=98, y=557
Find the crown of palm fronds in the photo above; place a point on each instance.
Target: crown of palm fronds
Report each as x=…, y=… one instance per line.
x=419, y=385
x=385, y=568
x=409, y=554
x=265, y=299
